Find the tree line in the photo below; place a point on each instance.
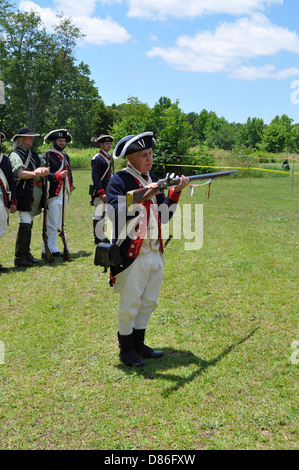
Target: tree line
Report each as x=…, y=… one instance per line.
x=45, y=88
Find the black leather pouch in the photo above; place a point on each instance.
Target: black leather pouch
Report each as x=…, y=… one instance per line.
x=107, y=255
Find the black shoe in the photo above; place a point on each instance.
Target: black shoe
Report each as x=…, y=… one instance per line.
x=31, y=259
x=23, y=262
x=147, y=352
x=57, y=254
x=142, y=349
x=3, y=269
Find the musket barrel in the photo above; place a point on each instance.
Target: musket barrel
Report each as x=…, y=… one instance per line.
x=211, y=175
x=203, y=176
x=137, y=196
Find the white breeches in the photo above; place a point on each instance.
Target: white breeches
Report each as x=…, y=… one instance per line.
x=100, y=215
x=139, y=287
x=26, y=217
x=3, y=218
x=54, y=220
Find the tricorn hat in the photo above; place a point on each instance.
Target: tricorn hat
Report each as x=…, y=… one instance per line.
x=104, y=138
x=24, y=132
x=2, y=135
x=58, y=134
x=133, y=143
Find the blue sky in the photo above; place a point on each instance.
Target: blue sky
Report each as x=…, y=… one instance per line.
x=238, y=58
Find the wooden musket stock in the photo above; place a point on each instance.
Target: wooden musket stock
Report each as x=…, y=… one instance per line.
x=137, y=196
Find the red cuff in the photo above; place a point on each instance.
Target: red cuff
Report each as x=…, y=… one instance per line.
x=100, y=192
x=14, y=202
x=173, y=195
x=58, y=175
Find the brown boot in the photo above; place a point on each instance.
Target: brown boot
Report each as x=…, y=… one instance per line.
x=22, y=245
x=29, y=256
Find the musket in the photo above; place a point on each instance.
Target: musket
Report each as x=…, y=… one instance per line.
x=48, y=254
x=137, y=196
x=62, y=232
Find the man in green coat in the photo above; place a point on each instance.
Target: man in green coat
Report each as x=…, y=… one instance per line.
x=29, y=170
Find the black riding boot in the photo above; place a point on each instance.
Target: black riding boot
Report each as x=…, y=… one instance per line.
x=29, y=256
x=22, y=245
x=144, y=350
x=128, y=354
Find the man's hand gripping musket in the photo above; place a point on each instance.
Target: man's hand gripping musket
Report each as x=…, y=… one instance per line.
x=139, y=195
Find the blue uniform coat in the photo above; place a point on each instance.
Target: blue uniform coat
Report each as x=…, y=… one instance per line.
x=98, y=169
x=119, y=185
x=55, y=165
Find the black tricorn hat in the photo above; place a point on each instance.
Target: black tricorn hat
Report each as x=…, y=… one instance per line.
x=104, y=138
x=2, y=135
x=133, y=143
x=24, y=132
x=58, y=134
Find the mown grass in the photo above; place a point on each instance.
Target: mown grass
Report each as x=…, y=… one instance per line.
x=226, y=320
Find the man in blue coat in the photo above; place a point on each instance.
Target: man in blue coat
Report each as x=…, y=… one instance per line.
x=101, y=171
x=60, y=173
x=138, y=280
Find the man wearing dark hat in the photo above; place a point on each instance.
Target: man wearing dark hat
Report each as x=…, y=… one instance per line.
x=29, y=171
x=101, y=170
x=8, y=194
x=60, y=170
x=139, y=278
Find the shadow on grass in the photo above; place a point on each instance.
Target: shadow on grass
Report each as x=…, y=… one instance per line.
x=80, y=254
x=179, y=358
x=55, y=262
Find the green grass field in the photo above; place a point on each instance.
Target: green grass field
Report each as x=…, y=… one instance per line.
x=227, y=321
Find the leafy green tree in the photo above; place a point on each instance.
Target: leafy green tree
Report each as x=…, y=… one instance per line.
x=175, y=134
x=200, y=125
x=251, y=133
x=173, y=137
x=294, y=146
x=27, y=68
x=277, y=136
x=132, y=118
x=74, y=97
x=103, y=118
x=220, y=133
x=43, y=85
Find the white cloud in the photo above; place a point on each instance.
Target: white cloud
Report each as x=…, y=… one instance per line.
x=97, y=31
x=226, y=49
x=101, y=32
x=76, y=8
x=161, y=9
x=266, y=71
x=47, y=15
